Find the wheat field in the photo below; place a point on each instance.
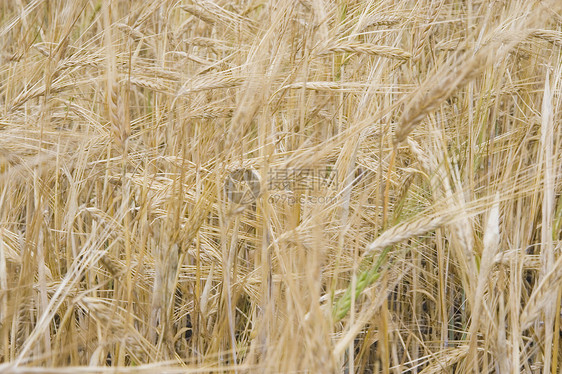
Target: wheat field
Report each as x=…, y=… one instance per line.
x=280, y=186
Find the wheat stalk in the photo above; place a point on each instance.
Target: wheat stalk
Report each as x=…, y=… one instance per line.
x=150, y=84
x=445, y=360
x=444, y=83
x=199, y=13
x=405, y=231
x=368, y=49
x=542, y=295
x=426, y=32
x=554, y=37
x=120, y=127
x=375, y=21
x=209, y=83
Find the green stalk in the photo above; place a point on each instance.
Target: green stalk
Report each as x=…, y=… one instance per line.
x=365, y=279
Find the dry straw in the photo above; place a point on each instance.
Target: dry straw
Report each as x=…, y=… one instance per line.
x=467, y=67
x=368, y=49
x=432, y=248
x=542, y=295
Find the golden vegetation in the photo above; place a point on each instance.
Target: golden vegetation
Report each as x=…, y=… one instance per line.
x=403, y=160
